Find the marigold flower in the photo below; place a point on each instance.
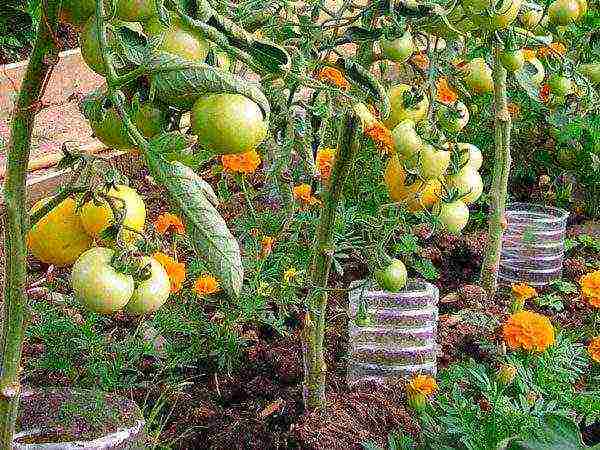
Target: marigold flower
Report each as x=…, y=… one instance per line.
x=423, y=384
x=167, y=221
x=175, y=270
x=303, y=193
x=290, y=274
x=590, y=288
x=528, y=54
x=325, y=159
x=594, y=349
x=266, y=244
x=242, y=162
x=420, y=60
x=529, y=331
x=545, y=92
x=381, y=135
x=206, y=285
x=523, y=291
x=334, y=76
x=514, y=110
x=444, y=92
x=552, y=50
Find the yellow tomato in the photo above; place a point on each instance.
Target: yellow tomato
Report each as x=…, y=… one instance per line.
x=96, y=217
x=59, y=237
x=418, y=195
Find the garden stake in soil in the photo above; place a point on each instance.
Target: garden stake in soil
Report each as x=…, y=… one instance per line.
x=316, y=301
x=41, y=62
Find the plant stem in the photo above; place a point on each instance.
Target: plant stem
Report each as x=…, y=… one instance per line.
x=498, y=194
x=43, y=59
x=323, y=250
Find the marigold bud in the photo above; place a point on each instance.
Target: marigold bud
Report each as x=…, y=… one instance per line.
x=506, y=374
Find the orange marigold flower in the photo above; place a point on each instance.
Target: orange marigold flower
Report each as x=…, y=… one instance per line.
x=552, y=50
x=175, y=270
x=590, y=288
x=528, y=54
x=444, y=92
x=423, y=384
x=594, y=349
x=324, y=160
x=266, y=244
x=529, y=331
x=242, y=162
x=334, y=76
x=167, y=221
x=381, y=135
x=514, y=110
x=303, y=193
x=545, y=93
x=420, y=60
x=206, y=285
x=523, y=291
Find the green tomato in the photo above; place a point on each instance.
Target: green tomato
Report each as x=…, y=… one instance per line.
x=592, y=71
x=560, y=85
x=479, y=76
x=393, y=277
x=149, y=295
x=470, y=155
x=406, y=140
x=136, y=10
x=228, y=123
x=539, y=73
x=453, y=118
x=563, y=12
x=178, y=39
x=531, y=18
x=77, y=12
x=468, y=182
x=98, y=286
x=512, y=60
x=503, y=12
x=90, y=49
x=433, y=163
x=399, y=96
x=398, y=50
x=454, y=216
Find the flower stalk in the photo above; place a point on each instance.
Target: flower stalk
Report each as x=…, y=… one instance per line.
x=323, y=250
x=499, y=189
x=41, y=63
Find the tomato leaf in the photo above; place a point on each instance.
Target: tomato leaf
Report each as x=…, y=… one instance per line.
x=180, y=83
x=365, y=79
x=205, y=226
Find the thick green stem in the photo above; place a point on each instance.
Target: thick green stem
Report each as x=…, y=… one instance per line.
x=323, y=249
x=498, y=194
x=43, y=58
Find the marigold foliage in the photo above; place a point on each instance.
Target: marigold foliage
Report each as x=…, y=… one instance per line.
x=175, y=270
x=528, y=331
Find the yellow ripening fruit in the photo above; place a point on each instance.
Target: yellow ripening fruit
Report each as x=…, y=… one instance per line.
x=96, y=217
x=59, y=237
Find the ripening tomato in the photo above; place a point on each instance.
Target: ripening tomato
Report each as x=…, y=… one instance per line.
x=400, y=49
x=59, y=237
x=228, y=123
x=96, y=217
x=393, y=277
x=583, y=8
x=563, y=12
x=512, y=60
x=433, y=163
x=479, y=76
x=97, y=284
x=406, y=104
x=149, y=295
x=468, y=182
x=453, y=118
x=418, y=195
x=454, y=216
x=407, y=142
